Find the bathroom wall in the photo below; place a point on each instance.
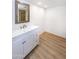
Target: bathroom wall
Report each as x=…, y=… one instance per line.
x=52, y=20
x=56, y=20
x=36, y=18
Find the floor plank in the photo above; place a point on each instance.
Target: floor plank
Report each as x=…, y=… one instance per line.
x=50, y=47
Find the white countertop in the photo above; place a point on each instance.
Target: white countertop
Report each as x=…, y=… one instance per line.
x=21, y=31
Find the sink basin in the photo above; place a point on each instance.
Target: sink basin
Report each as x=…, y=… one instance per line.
x=21, y=31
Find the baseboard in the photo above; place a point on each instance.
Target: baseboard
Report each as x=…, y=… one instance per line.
x=54, y=35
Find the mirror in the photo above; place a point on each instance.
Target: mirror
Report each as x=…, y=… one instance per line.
x=21, y=12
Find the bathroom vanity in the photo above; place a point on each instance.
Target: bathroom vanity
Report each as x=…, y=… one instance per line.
x=23, y=41
x=26, y=37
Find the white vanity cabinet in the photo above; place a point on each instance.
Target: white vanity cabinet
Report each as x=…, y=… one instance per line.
x=24, y=43
x=30, y=41
x=17, y=48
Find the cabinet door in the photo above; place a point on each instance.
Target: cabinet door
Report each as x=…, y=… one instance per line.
x=31, y=41
x=27, y=44
x=35, y=36
x=17, y=49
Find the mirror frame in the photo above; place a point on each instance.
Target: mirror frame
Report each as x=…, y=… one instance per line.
x=16, y=12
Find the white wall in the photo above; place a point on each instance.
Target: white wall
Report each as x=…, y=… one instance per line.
x=36, y=17
x=52, y=20
x=56, y=20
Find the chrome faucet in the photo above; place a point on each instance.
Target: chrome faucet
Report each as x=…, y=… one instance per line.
x=22, y=27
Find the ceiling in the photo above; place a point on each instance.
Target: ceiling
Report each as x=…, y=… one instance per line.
x=48, y=3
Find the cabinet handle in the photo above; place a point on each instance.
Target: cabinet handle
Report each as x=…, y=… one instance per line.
x=24, y=42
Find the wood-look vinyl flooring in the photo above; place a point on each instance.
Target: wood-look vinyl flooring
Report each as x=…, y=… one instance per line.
x=50, y=47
